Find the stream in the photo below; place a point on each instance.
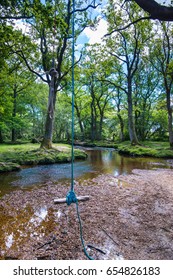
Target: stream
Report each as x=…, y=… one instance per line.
x=28, y=232
x=99, y=161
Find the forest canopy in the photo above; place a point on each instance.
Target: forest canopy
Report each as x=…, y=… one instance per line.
x=123, y=85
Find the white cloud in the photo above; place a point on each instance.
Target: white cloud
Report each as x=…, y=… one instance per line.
x=95, y=36
x=23, y=26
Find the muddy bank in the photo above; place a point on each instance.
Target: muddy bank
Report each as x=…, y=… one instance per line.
x=127, y=217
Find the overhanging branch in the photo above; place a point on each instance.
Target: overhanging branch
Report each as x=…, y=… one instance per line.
x=155, y=10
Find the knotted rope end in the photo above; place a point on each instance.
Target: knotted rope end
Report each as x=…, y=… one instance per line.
x=71, y=198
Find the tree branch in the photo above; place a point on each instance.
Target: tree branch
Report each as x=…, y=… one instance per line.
x=16, y=17
x=20, y=54
x=125, y=27
x=86, y=8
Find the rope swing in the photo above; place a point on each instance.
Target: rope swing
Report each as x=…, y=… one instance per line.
x=71, y=195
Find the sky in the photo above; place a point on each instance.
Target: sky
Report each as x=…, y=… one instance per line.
x=95, y=36
x=164, y=2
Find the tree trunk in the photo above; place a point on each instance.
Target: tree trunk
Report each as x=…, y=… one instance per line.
x=131, y=123
x=80, y=122
x=121, y=127
x=93, y=115
x=170, y=128
x=99, y=136
x=47, y=140
x=13, y=132
x=1, y=137
x=169, y=109
x=93, y=123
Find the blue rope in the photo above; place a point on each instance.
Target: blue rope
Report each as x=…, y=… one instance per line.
x=73, y=94
x=81, y=234
x=71, y=196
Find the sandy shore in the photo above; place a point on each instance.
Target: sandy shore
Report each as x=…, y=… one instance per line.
x=127, y=217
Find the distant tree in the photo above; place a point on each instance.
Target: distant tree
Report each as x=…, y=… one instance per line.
x=94, y=70
x=127, y=50
x=147, y=85
x=15, y=83
x=161, y=57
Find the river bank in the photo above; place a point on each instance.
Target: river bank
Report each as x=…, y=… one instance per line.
x=127, y=217
x=13, y=157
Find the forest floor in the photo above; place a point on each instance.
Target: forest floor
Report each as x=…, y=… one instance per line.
x=126, y=217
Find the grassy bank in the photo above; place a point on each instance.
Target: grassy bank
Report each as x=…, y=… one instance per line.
x=12, y=157
x=146, y=149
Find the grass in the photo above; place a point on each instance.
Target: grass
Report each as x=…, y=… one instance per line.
x=147, y=149
x=14, y=156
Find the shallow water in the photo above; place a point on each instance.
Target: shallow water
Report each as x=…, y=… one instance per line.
x=99, y=161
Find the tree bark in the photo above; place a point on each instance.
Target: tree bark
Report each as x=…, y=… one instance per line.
x=169, y=110
x=131, y=123
x=80, y=121
x=1, y=137
x=47, y=140
x=156, y=10
x=121, y=127
x=13, y=132
x=122, y=138
x=93, y=113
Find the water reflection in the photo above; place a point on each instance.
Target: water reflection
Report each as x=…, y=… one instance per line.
x=109, y=161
